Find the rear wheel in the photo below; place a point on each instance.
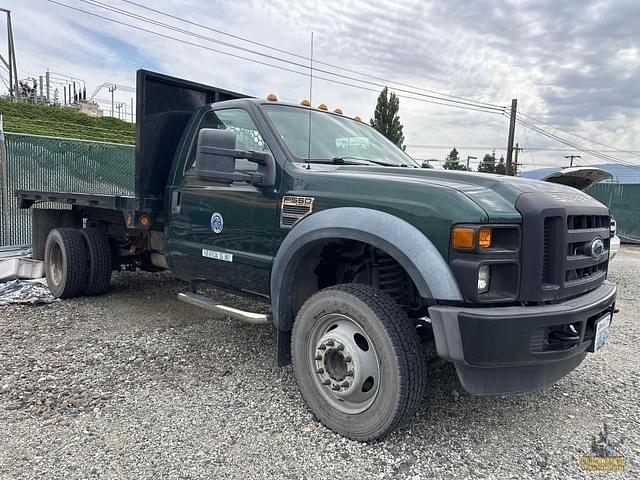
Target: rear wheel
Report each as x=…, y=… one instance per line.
x=358, y=361
x=66, y=258
x=100, y=265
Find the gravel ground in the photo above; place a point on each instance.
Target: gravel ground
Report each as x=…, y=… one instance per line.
x=138, y=385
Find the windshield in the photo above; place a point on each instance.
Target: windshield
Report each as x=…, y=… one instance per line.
x=332, y=137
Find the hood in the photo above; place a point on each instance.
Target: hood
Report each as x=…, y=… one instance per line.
x=578, y=177
x=495, y=194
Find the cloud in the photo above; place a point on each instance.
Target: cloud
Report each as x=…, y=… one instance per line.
x=575, y=64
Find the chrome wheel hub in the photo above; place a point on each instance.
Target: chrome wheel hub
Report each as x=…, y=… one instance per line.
x=346, y=366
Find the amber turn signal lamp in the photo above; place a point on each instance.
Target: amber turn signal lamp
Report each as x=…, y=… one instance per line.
x=485, y=237
x=145, y=221
x=463, y=238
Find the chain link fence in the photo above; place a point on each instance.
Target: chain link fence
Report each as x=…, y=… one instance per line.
x=32, y=162
x=623, y=200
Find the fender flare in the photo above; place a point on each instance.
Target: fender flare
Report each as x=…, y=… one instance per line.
x=404, y=242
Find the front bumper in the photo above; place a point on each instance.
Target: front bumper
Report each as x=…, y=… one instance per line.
x=513, y=349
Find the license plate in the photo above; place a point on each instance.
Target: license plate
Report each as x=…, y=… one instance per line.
x=602, y=332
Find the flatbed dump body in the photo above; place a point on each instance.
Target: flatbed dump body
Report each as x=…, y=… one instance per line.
x=164, y=106
x=27, y=198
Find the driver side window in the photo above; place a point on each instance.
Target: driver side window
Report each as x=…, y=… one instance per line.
x=247, y=135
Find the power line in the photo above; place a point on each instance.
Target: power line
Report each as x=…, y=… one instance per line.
x=579, y=136
x=480, y=109
x=571, y=144
x=303, y=57
x=526, y=137
x=272, y=57
x=142, y=18
x=576, y=146
x=493, y=147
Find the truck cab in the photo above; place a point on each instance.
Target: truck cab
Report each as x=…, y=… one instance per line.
x=359, y=255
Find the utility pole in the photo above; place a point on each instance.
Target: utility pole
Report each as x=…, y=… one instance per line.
x=48, y=80
x=516, y=149
x=112, y=88
x=470, y=157
x=14, y=87
x=571, y=157
x=512, y=132
x=132, y=118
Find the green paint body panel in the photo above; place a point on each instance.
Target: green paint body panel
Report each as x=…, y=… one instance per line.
x=431, y=200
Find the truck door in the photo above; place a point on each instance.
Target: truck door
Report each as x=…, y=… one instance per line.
x=223, y=234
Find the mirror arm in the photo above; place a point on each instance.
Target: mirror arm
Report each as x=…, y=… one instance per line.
x=225, y=176
x=260, y=158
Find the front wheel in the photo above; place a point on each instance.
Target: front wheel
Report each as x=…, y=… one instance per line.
x=358, y=361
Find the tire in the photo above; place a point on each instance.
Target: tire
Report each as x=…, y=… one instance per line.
x=358, y=361
x=66, y=262
x=100, y=264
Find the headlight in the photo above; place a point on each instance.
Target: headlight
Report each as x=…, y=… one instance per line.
x=484, y=274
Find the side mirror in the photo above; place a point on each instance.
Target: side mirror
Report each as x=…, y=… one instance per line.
x=214, y=155
x=216, y=160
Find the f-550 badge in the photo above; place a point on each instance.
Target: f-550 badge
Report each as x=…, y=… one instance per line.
x=294, y=209
x=217, y=223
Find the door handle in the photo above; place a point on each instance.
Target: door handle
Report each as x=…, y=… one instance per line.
x=176, y=198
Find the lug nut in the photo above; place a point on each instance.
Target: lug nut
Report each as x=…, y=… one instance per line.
x=322, y=347
x=320, y=370
x=326, y=382
x=318, y=357
x=340, y=347
x=330, y=343
x=348, y=358
x=345, y=384
x=349, y=373
x=335, y=387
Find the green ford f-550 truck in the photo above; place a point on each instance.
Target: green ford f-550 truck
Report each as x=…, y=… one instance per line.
x=360, y=255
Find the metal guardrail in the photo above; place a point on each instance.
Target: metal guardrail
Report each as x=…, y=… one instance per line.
x=34, y=162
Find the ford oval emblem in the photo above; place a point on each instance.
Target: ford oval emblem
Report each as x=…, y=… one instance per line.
x=597, y=248
x=217, y=223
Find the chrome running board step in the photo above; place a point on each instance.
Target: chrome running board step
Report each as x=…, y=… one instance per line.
x=208, y=304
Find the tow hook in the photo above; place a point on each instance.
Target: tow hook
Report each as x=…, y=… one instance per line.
x=567, y=337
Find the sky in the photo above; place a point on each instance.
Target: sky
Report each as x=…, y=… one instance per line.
x=573, y=64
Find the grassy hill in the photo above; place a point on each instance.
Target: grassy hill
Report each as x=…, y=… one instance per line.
x=64, y=122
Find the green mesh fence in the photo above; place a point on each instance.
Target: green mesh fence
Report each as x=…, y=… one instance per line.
x=31, y=162
x=623, y=200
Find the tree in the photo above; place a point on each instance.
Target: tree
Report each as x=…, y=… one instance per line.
x=488, y=163
x=386, y=120
x=501, y=168
x=452, y=162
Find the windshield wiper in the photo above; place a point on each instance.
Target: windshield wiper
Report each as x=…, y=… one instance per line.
x=352, y=161
x=337, y=161
x=377, y=162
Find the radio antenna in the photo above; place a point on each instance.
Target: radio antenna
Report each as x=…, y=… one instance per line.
x=310, y=102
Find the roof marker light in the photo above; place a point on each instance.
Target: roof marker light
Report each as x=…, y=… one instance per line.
x=323, y=106
x=338, y=111
x=305, y=103
x=272, y=97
